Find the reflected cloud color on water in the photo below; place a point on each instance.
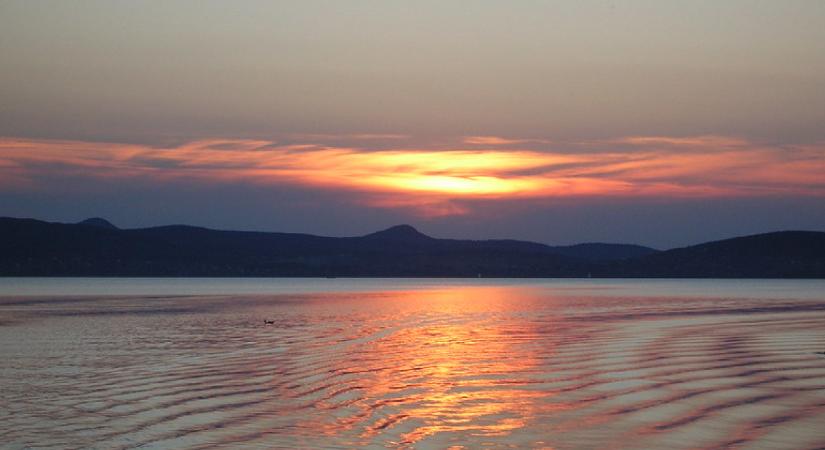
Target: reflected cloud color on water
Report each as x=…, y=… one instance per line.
x=530, y=366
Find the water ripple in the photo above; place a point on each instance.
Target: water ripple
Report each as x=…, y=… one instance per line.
x=444, y=368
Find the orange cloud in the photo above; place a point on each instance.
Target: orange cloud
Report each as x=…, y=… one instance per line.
x=431, y=181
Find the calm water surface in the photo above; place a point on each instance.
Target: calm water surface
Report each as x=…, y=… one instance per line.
x=120, y=363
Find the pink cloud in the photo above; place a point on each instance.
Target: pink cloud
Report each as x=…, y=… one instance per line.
x=494, y=140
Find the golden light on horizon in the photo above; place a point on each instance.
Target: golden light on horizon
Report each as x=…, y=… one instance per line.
x=450, y=172
x=427, y=180
x=472, y=185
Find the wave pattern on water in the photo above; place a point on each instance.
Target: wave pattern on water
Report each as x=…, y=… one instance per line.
x=444, y=368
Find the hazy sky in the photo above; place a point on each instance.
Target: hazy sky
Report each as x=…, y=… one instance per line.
x=659, y=122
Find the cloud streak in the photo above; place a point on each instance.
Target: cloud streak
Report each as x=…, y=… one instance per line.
x=433, y=182
x=495, y=140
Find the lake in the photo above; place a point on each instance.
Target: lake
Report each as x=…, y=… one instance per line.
x=411, y=363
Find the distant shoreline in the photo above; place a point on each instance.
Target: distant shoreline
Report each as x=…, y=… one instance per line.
x=96, y=248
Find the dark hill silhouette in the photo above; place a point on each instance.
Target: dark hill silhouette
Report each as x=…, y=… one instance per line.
x=35, y=248
x=399, y=233
x=98, y=222
x=799, y=254
x=31, y=247
x=597, y=251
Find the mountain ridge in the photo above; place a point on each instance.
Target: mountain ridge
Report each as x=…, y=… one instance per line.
x=98, y=222
x=30, y=247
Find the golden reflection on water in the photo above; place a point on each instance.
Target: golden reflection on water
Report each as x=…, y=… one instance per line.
x=461, y=376
x=455, y=367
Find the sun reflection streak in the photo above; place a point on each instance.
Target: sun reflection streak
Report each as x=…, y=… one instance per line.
x=460, y=369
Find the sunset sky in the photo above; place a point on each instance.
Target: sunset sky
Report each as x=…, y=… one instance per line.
x=663, y=123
